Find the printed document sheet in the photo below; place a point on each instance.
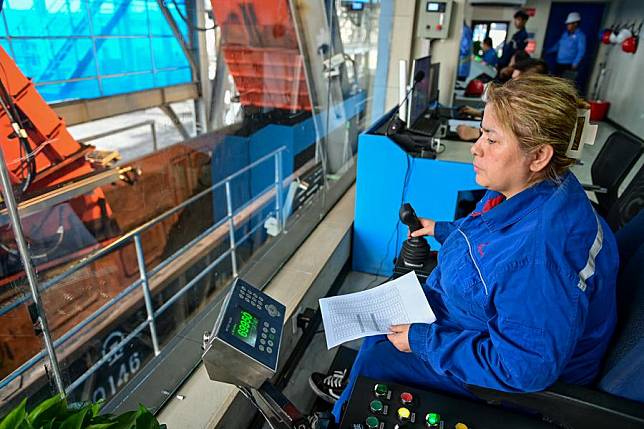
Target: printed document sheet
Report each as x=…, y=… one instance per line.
x=373, y=311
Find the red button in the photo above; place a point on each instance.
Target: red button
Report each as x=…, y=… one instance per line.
x=439, y=27
x=406, y=398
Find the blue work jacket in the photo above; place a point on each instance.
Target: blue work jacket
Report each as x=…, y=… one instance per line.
x=524, y=291
x=570, y=48
x=518, y=42
x=490, y=57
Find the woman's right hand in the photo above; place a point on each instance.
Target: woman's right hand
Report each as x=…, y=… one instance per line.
x=427, y=229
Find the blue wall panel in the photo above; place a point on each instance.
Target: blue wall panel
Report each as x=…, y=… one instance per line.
x=432, y=189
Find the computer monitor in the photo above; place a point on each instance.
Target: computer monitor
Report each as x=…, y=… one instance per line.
x=419, y=98
x=432, y=93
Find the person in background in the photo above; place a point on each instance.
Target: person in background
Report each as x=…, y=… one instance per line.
x=529, y=65
x=519, y=39
x=505, y=74
x=570, y=48
x=489, y=53
x=525, y=67
x=465, y=53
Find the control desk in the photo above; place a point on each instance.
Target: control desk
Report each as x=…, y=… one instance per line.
x=377, y=404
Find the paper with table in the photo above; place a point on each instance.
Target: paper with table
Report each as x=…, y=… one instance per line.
x=373, y=311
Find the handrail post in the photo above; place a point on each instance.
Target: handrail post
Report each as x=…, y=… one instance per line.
x=278, y=192
x=30, y=271
x=146, y=292
x=231, y=229
x=153, y=129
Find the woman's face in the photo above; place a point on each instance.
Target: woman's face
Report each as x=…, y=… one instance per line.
x=499, y=162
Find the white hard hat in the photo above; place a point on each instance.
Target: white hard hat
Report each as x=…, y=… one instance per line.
x=573, y=17
x=623, y=34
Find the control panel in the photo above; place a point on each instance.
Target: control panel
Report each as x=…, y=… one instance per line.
x=376, y=404
x=432, y=19
x=243, y=346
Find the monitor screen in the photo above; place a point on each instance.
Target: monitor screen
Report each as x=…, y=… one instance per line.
x=433, y=6
x=245, y=327
x=419, y=98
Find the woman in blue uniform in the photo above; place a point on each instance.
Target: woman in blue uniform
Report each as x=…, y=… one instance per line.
x=524, y=290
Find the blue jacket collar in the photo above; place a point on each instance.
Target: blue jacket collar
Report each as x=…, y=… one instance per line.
x=516, y=208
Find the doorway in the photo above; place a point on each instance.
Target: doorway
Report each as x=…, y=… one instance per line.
x=591, y=19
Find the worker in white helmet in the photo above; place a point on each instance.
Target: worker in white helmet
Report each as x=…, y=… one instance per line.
x=570, y=48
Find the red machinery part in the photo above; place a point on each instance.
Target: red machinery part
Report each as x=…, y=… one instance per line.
x=58, y=157
x=55, y=158
x=261, y=50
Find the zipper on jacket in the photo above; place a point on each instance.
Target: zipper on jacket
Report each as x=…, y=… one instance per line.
x=469, y=246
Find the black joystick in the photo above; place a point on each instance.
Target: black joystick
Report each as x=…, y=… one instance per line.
x=415, y=249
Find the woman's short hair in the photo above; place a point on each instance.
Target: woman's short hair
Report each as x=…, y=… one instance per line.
x=539, y=110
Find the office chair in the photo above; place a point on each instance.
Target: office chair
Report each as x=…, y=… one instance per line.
x=616, y=158
x=617, y=399
x=629, y=203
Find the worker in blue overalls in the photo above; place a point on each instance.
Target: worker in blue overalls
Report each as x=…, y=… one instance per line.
x=524, y=290
x=489, y=53
x=570, y=48
x=518, y=42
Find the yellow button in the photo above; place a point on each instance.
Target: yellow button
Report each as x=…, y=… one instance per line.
x=403, y=413
x=460, y=426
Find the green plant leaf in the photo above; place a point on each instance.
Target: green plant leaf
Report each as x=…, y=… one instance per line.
x=96, y=408
x=145, y=419
x=49, y=410
x=75, y=421
x=15, y=417
x=102, y=426
x=126, y=421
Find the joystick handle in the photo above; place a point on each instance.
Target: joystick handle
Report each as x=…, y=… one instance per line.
x=409, y=218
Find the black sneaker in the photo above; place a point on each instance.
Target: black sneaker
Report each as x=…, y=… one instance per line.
x=329, y=387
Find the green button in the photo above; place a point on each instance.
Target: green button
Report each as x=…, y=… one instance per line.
x=372, y=422
x=433, y=419
x=381, y=389
x=376, y=406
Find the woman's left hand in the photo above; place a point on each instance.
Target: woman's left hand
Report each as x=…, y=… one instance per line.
x=399, y=337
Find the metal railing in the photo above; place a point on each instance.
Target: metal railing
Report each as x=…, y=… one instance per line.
x=144, y=280
x=149, y=122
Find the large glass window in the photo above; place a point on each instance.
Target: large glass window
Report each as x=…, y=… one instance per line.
x=497, y=31
x=127, y=253
x=90, y=48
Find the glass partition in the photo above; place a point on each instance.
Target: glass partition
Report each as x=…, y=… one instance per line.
x=127, y=253
x=77, y=49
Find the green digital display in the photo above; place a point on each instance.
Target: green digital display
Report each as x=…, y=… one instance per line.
x=245, y=327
